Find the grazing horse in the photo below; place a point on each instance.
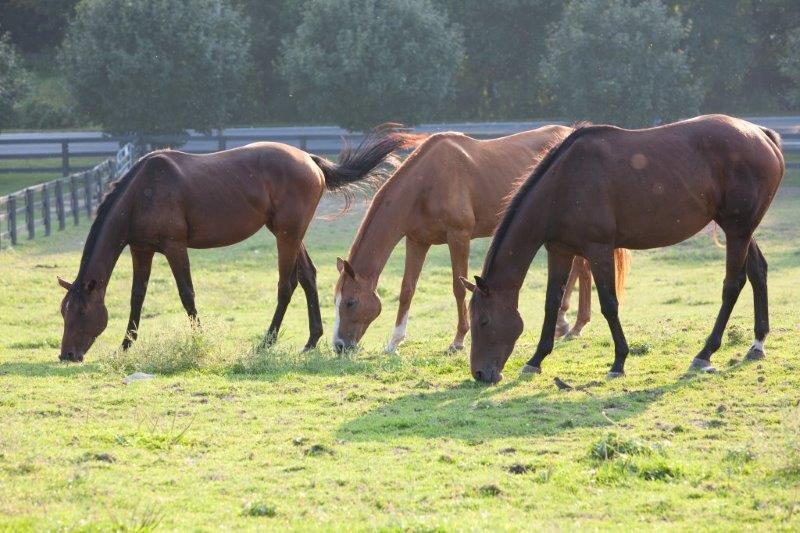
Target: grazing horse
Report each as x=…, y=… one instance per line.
x=605, y=187
x=450, y=190
x=170, y=201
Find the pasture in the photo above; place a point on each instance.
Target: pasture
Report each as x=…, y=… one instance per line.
x=229, y=437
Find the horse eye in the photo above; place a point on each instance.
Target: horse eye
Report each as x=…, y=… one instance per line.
x=484, y=321
x=351, y=302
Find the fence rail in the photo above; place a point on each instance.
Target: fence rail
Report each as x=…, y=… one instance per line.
x=40, y=209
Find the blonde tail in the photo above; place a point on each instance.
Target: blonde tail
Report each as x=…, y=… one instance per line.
x=622, y=263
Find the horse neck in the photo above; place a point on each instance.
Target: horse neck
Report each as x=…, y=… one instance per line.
x=112, y=237
x=522, y=240
x=383, y=227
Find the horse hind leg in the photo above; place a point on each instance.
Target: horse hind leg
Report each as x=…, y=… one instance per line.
x=735, y=278
x=602, y=266
x=562, y=325
x=584, y=297
x=756, y=266
x=288, y=249
x=307, y=276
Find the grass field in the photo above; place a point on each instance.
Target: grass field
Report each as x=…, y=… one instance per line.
x=226, y=437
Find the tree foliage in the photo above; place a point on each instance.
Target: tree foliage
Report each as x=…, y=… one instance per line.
x=160, y=67
x=35, y=25
x=620, y=62
x=12, y=81
x=790, y=64
x=362, y=62
x=503, y=40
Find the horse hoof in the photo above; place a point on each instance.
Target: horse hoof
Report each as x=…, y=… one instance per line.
x=701, y=365
x=562, y=330
x=615, y=375
x=530, y=370
x=455, y=348
x=390, y=350
x=754, y=354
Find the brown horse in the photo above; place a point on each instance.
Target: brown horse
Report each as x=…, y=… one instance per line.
x=171, y=201
x=450, y=190
x=604, y=187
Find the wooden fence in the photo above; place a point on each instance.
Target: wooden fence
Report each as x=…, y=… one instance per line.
x=43, y=209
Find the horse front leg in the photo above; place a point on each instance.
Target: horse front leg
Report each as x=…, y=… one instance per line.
x=415, y=258
x=178, y=259
x=558, y=268
x=142, y=262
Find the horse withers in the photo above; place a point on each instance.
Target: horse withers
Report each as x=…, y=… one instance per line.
x=171, y=201
x=635, y=189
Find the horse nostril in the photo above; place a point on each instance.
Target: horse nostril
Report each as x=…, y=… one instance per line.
x=338, y=345
x=479, y=375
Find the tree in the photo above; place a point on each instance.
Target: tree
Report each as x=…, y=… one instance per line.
x=12, y=81
x=504, y=42
x=790, y=65
x=156, y=66
x=35, y=25
x=362, y=62
x=620, y=62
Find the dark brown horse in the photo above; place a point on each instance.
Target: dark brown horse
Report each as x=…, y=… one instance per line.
x=171, y=201
x=604, y=188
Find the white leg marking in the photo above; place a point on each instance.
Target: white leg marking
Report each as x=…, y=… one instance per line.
x=758, y=345
x=336, y=320
x=398, y=336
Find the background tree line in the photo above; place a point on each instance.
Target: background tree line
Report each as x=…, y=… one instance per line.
x=143, y=66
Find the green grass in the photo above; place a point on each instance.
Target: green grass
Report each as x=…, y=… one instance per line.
x=227, y=436
x=19, y=180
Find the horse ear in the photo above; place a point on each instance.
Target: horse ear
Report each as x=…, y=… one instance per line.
x=480, y=283
x=467, y=284
x=344, y=266
x=64, y=283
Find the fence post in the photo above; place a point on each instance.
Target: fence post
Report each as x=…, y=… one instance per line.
x=64, y=158
x=73, y=197
x=46, y=208
x=12, y=218
x=98, y=185
x=87, y=192
x=29, y=213
x=304, y=143
x=221, y=140
x=62, y=218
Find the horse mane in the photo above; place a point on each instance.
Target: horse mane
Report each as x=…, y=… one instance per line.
x=540, y=166
x=109, y=200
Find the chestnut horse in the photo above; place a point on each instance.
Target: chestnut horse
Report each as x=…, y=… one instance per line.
x=450, y=190
x=605, y=187
x=171, y=201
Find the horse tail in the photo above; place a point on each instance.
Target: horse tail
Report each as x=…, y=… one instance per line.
x=773, y=136
x=363, y=163
x=622, y=261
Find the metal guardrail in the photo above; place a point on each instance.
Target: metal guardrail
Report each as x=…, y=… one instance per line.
x=46, y=207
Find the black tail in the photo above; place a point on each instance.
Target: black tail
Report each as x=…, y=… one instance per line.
x=773, y=135
x=363, y=164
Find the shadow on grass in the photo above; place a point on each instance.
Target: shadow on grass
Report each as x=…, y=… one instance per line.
x=47, y=369
x=470, y=412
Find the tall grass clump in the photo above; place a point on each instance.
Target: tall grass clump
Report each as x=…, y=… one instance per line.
x=179, y=348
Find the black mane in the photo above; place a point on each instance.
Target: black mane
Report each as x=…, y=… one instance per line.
x=529, y=184
x=117, y=188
